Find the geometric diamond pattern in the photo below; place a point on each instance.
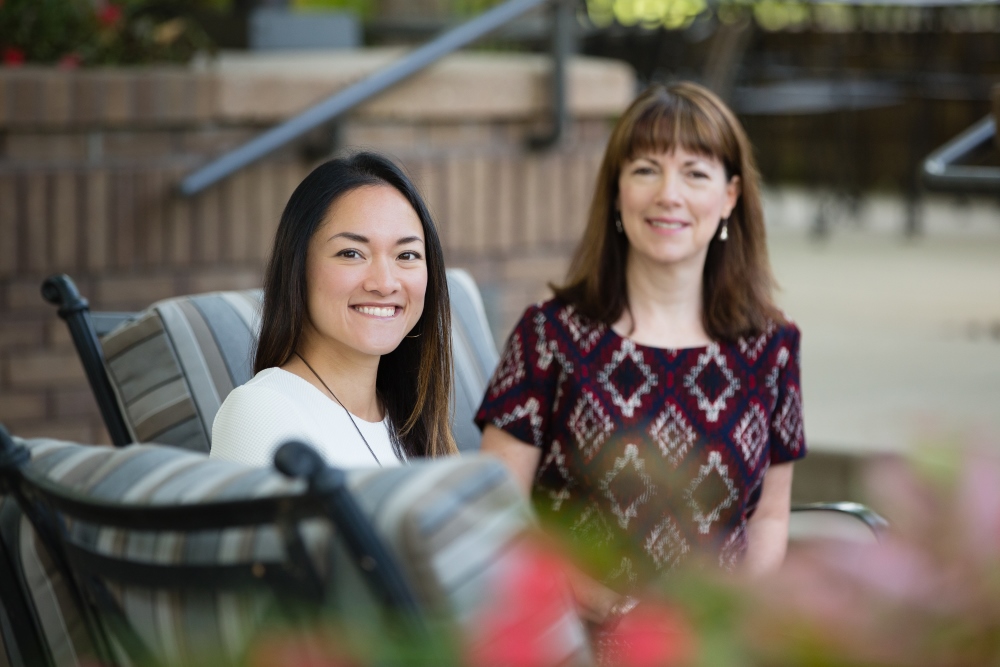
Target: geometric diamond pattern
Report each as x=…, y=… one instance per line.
x=750, y=434
x=627, y=486
x=665, y=544
x=590, y=425
x=673, y=434
x=711, y=492
x=590, y=527
x=752, y=347
x=788, y=420
x=510, y=370
x=584, y=333
x=711, y=382
x=528, y=409
x=629, y=371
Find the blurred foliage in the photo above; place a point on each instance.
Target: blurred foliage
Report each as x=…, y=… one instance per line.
x=928, y=595
x=362, y=8
x=775, y=15
x=71, y=33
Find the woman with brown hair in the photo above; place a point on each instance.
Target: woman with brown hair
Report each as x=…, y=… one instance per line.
x=653, y=406
x=354, y=353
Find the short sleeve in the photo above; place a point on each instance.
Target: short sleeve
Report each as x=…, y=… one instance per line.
x=251, y=424
x=787, y=436
x=519, y=397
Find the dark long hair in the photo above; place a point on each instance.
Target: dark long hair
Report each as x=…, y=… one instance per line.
x=414, y=380
x=738, y=283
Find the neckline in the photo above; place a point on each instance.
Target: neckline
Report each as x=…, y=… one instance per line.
x=361, y=420
x=672, y=350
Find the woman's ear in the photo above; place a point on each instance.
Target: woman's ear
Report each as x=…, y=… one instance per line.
x=733, y=190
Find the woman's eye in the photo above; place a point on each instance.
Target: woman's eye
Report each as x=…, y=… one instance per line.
x=410, y=255
x=349, y=253
x=698, y=174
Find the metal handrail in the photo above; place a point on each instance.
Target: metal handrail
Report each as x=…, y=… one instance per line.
x=939, y=168
x=377, y=82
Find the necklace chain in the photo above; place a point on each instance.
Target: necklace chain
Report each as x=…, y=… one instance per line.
x=349, y=415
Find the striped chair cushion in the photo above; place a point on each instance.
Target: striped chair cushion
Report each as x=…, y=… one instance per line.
x=178, y=627
x=475, y=356
x=456, y=526
x=172, y=366
x=39, y=624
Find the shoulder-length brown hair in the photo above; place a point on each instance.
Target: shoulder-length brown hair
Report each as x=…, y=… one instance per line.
x=414, y=380
x=738, y=282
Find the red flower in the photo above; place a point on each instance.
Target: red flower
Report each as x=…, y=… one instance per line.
x=13, y=56
x=650, y=635
x=69, y=61
x=110, y=15
x=531, y=615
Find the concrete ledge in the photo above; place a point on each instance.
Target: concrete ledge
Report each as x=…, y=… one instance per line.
x=263, y=88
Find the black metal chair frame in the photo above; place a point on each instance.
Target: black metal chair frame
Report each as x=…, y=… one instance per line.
x=294, y=582
x=85, y=330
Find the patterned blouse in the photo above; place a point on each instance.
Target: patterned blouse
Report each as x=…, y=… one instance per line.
x=651, y=455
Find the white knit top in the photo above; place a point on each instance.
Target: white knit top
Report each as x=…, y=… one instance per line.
x=277, y=406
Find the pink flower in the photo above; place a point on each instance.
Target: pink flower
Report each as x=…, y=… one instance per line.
x=13, y=56
x=110, y=15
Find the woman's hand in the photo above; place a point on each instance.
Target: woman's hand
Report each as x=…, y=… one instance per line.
x=520, y=457
x=768, y=527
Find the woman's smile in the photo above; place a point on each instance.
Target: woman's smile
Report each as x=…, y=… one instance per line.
x=378, y=311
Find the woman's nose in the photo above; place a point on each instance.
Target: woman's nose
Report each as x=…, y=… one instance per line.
x=381, y=277
x=669, y=191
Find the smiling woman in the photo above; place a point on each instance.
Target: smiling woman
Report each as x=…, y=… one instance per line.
x=653, y=406
x=354, y=350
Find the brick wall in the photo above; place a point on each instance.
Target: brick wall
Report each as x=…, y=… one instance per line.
x=89, y=162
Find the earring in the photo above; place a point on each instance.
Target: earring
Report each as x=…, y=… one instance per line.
x=724, y=233
x=618, y=222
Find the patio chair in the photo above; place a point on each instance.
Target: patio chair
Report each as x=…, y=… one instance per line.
x=165, y=556
x=145, y=571
x=161, y=375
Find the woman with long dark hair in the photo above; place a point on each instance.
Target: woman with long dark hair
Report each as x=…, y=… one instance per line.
x=653, y=405
x=354, y=353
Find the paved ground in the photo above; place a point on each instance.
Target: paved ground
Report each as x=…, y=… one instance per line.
x=901, y=339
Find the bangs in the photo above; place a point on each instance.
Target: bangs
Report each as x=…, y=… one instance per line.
x=674, y=121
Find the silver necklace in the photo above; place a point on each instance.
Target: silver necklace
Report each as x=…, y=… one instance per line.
x=349, y=415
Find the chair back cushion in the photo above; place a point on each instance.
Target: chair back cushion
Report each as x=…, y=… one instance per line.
x=474, y=353
x=173, y=365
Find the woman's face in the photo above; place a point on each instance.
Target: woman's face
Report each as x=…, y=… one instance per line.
x=671, y=204
x=366, y=274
